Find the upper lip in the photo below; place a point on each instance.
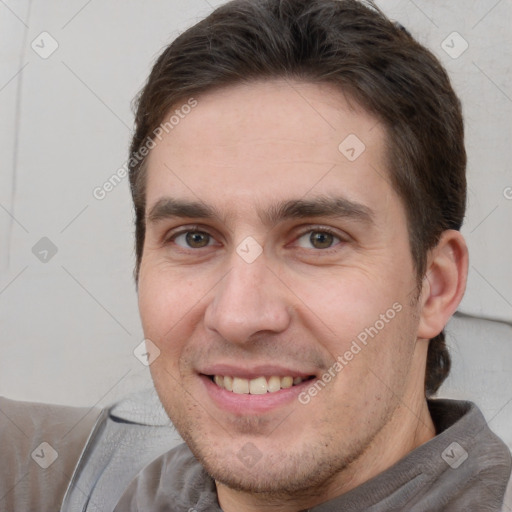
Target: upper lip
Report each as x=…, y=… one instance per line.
x=254, y=371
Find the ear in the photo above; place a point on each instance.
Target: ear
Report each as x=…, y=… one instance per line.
x=444, y=283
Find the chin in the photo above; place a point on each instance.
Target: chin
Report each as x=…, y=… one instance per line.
x=276, y=471
x=263, y=478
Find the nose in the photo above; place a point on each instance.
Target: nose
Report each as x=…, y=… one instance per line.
x=250, y=300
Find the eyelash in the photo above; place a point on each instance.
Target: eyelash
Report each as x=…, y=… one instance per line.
x=317, y=229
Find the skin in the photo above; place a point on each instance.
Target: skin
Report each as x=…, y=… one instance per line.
x=299, y=304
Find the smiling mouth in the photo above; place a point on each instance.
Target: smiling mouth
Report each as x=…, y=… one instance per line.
x=257, y=386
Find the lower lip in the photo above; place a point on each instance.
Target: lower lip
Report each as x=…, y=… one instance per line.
x=243, y=404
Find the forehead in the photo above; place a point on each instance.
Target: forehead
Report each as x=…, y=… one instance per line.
x=254, y=144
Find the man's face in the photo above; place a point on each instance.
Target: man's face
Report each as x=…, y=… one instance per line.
x=272, y=253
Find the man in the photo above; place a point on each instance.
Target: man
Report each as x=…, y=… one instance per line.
x=298, y=255
x=298, y=176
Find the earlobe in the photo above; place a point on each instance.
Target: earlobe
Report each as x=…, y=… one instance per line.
x=444, y=283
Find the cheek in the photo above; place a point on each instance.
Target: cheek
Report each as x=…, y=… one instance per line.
x=169, y=309
x=348, y=301
x=154, y=305
x=362, y=319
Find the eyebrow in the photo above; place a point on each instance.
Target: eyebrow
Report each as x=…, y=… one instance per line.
x=168, y=207
x=323, y=206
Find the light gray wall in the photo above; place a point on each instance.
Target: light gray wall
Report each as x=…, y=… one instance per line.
x=69, y=325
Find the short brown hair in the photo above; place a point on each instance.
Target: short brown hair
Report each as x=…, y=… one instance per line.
x=356, y=47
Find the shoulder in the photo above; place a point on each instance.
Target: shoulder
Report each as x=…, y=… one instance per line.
x=466, y=443
x=40, y=446
x=131, y=433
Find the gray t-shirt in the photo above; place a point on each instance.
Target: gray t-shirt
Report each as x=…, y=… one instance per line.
x=436, y=476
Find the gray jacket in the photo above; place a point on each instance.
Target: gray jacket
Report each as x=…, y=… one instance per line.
x=464, y=468
x=89, y=460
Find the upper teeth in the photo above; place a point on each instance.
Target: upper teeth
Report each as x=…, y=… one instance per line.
x=257, y=386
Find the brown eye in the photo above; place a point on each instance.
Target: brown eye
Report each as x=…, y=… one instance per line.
x=321, y=240
x=193, y=239
x=317, y=239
